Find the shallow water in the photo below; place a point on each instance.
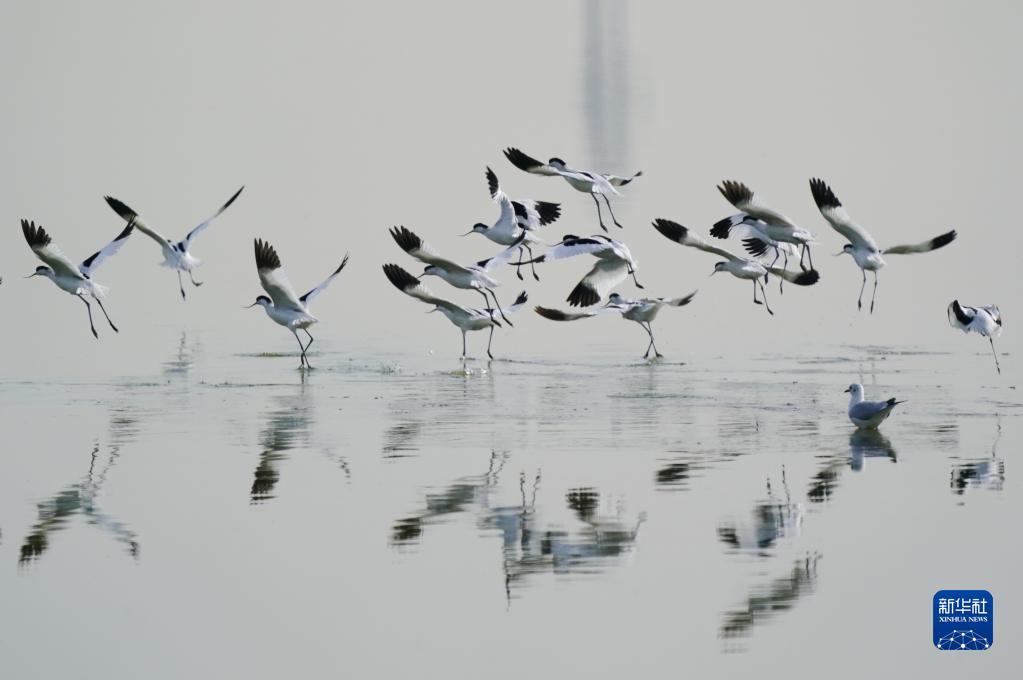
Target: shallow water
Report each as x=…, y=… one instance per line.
x=502, y=516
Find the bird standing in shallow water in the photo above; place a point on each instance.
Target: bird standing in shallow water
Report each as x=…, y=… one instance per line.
x=283, y=306
x=175, y=255
x=868, y=414
x=986, y=321
x=76, y=280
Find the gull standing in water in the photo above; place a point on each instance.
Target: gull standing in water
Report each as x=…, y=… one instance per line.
x=71, y=278
x=591, y=183
x=517, y=222
x=775, y=226
x=466, y=318
x=175, y=255
x=614, y=264
x=862, y=246
x=283, y=306
x=473, y=277
x=738, y=267
x=642, y=311
x=868, y=415
x=987, y=321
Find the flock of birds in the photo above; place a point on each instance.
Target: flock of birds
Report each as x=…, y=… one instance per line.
x=768, y=237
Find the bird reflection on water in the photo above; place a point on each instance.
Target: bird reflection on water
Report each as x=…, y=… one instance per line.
x=773, y=518
x=982, y=473
x=286, y=427
x=772, y=598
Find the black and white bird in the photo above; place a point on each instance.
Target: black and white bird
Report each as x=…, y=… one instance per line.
x=642, y=311
x=986, y=321
x=775, y=227
x=283, y=306
x=466, y=318
x=868, y=414
x=472, y=277
x=517, y=222
x=615, y=263
x=592, y=183
x=69, y=277
x=756, y=240
x=861, y=246
x=176, y=255
x=739, y=267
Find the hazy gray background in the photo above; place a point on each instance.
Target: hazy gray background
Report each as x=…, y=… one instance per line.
x=274, y=516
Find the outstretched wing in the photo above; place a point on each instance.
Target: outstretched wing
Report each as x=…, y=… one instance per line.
x=503, y=256
x=571, y=246
x=96, y=259
x=419, y=249
x=743, y=198
x=273, y=278
x=534, y=214
x=559, y=315
x=617, y=181
x=925, y=247
x=41, y=244
x=679, y=301
x=413, y=287
x=128, y=214
x=187, y=241
x=305, y=299
x=800, y=278
x=836, y=215
x=528, y=163
x=598, y=282
x=687, y=237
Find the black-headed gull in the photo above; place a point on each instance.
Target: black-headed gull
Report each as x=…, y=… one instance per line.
x=868, y=414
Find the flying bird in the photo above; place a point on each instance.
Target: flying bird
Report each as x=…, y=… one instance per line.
x=739, y=267
x=591, y=183
x=614, y=264
x=466, y=318
x=176, y=255
x=773, y=225
x=757, y=241
x=69, y=277
x=517, y=221
x=987, y=321
x=868, y=415
x=642, y=311
x=283, y=306
x=472, y=277
x=861, y=246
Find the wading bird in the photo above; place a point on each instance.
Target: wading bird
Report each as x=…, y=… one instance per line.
x=986, y=321
x=466, y=318
x=774, y=226
x=738, y=267
x=868, y=415
x=283, y=306
x=175, y=255
x=591, y=183
x=642, y=311
x=472, y=277
x=861, y=245
x=614, y=264
x=517, y=222
x=71, y=278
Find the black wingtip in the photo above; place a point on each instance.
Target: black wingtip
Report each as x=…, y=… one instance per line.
x=341, y=266
x=807, y=278
x=231, y=200
x=755, y=246
x=521, y=160
x=266, y=256
x=735, y=192
x=549, y=212
x=960, y=313
x=823, y=196
x=492, y=182
x=405, y=239
x=552, y=314
x=583, y=296
x=35, y=236
x=722, y=228
x=120, y=208
x=128, y=228
x=401, y=279
x=672, y=230
x=521, y=299
x=943, y=240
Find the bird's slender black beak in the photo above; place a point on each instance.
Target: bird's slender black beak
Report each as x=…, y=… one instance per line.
x=250, y=306
x=32, y=274
x=846, y=390
x=471, y=231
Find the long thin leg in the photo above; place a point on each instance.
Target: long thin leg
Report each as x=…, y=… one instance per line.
x=634, y=279
x=611, y=211
x=802, y=254
x=518, y=265
x=306, y=350
x=532, y=265
x=874, y=295
x=755, y=300
x=490, y=341
x=301, y=347
x=498, y=305
x=599, y=217
x=100, y=303
x=650, y=335
x=992, y=341
x=194, y=282
x=88, y=307
x=181, y=285
x=763, y=294
x=650, y=330
x=809, y=255
x=463, y=346
x=859, y=302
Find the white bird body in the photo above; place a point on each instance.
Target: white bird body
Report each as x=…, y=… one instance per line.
x=283, y=306
x=772, y=224
x=176, y=254
x=614, y=264
x=861, y=245
x=69, y=277
x=868, y=414
x=985, y=321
